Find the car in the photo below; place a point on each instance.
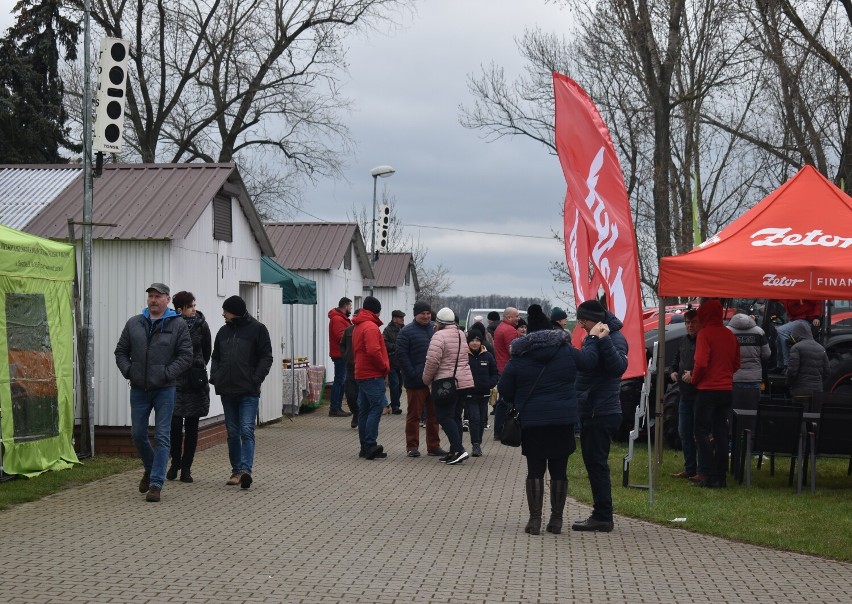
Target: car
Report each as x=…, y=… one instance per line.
x=481, y=314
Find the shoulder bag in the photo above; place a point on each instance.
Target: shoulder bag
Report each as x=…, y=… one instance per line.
x=444, y=389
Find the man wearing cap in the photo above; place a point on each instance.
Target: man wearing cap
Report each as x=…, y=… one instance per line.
x=411, y=346
x=371, y=369
x=598, y=395
x=242, y=358
x=395, y=376
x=558, y=317
x=153, y=350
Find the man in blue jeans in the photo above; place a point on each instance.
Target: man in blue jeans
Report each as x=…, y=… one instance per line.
x=598, y=395
x=371, y=369
x=153, y=350
x=242, y=358
x=338, y=321
x=680, y=373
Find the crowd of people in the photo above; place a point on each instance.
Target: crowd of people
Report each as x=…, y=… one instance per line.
x=556, y=389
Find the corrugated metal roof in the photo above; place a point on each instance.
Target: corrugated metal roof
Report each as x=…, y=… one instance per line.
x=391, y=267
x=147, y=201
x=25, y=190
x=317, y=245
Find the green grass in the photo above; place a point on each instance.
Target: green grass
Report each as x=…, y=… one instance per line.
x=770, y=513
x=21, y=489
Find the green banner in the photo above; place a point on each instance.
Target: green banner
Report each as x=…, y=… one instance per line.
x=36, y=345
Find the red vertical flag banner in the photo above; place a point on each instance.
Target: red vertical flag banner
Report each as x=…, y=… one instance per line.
x=600, y=244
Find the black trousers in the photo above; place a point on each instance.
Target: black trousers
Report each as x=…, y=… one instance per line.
x=450, y=418
x=184, y=440
x=596, y=434
x=711, y=420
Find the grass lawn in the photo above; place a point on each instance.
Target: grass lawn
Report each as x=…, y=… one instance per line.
x=770, y=513
x=21, y=490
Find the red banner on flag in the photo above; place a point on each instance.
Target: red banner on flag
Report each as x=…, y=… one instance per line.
x=600, y=244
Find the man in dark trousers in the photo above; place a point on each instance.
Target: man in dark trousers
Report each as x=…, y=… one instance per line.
x=680, y=373
x=242, y=358
x=338, y=321
x=350, y=386
x=371, y=370
x=598, y=395
x=395, y=376
x=153, y=351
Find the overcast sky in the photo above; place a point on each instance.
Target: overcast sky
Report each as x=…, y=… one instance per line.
x=407, y=86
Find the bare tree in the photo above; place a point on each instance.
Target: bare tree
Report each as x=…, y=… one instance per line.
x=434, y=283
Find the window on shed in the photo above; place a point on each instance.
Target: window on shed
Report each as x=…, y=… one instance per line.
x=347, y=258
x=408, y=276
x=223, y=229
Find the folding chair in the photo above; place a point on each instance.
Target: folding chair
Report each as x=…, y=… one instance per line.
x=778, y=431
x=833, y=435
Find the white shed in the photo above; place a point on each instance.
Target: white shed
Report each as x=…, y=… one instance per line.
x=395, y=284
x=191, y=226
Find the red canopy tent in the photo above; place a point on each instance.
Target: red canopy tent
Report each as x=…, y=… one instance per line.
x=795, y=244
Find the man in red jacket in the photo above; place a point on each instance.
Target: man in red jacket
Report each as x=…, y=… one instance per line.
x=717, y=358
x=371, y=368
x=506, y=331
x=338, y=321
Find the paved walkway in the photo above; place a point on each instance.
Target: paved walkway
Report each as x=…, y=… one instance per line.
x=321, y=525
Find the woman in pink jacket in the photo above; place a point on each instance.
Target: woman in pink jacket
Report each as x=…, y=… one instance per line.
x=447, y=355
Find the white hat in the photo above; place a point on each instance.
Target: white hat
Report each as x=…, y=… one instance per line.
x=445, y=316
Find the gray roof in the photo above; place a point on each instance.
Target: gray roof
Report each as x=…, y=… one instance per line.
x=144, y=201
x=390, y=270
x=26, y=189
x=317, y=246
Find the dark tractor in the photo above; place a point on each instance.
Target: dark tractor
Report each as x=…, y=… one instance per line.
x=835, y=333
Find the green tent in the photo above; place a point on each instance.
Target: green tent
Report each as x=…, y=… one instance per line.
x=36, y=354
x=295, y=289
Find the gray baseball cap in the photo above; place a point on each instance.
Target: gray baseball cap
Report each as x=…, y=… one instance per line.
x=160, y=287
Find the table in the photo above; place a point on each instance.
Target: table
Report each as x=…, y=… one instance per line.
x=292, y=398
x=742, y=420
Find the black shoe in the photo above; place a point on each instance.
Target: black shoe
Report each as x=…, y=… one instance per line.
x=413, y=453
x=173, y=472
x=353, y=423
x=185, y=476
x=245, y=481
x=145, y=482
x=592, y=524
x=477, y=451
x=458, y=458
x=437, y=453
x=397, y=411
x=375, y=451
x=338, y=413
x=446, y=457
x=362, y=453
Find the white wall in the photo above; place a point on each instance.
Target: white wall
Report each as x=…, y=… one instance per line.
x=269, y=313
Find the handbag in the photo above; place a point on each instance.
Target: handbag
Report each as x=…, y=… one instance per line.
x=511, y=435
x=444, y=389
x=197, y=378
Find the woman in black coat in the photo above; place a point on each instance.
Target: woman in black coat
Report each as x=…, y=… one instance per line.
x=539, y=381
x=192, y=398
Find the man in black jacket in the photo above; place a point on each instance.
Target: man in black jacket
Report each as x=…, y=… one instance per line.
x=395, y=376
x=681, y=374
x=242, y=358
x=153, y=351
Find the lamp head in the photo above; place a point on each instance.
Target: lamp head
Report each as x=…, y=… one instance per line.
x=382, y=171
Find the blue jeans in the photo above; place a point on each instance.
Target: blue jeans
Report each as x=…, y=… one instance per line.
x=371, y=403
x=686, y=430
x=395, y=386
x=596, y=436
x=338, y=386
x=240, y=418
x=162, y=402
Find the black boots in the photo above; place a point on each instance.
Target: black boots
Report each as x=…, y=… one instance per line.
x=558, y=494
x=535, y=499
x=172, y=472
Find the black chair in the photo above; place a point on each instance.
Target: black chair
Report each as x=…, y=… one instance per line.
x=819, y=398
x=777, y=431
x=833, y=435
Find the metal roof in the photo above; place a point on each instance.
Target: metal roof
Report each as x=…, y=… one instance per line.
x=391, y=268
x=26, y=189
x=147, y=201
x=317, y=245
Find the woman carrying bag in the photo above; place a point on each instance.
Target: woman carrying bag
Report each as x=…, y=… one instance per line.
x=446, y=361
x=539, y=382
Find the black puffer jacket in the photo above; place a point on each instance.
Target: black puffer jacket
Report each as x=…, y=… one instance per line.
x=153, y=354
x=808, y=368
x=242, y=357
x=411, y=346
x=599, y=389
x=483, y=367
x=190, y=401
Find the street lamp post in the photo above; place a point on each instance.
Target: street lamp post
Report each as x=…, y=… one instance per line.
x=384, y=172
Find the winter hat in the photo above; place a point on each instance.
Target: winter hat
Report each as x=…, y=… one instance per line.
x=445, y=316
x=557, y=314
x=372, y=304
x=521, y=323
x=421, y=306
x=234, y=305
x=398, y=313
x=494, y=316
x=477, y=330
x=591, y=310
x=536, y=319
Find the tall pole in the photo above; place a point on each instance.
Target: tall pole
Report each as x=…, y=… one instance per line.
x=373, y=255
x=88, y=333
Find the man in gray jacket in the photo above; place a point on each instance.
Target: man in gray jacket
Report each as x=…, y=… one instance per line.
x=153, y=350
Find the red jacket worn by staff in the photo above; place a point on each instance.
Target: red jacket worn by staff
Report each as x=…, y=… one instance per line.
x=371, y=354
x=717, y=351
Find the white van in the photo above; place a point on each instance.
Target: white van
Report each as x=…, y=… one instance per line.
x=481, y=315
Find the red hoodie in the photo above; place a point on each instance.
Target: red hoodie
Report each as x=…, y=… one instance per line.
x=368, y=345
x=337, y=324
x=717, y=351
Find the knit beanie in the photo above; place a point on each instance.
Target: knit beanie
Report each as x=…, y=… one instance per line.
x=421, y=306
x=591, y=310
x=536, y=319
x=494, y=316
x=445, y=316
x=235, y=305
x=557, y=314
x=372, y=304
